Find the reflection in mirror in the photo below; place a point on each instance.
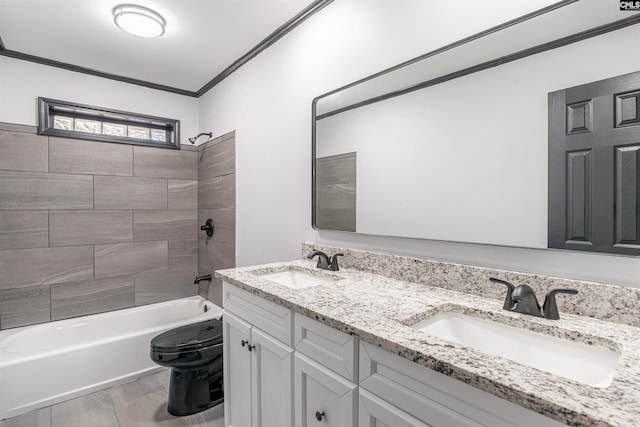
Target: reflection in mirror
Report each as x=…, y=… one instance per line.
x=524, y=36
x=336, y=192
x=462, y=156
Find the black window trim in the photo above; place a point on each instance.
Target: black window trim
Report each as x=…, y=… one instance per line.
x=46, y=108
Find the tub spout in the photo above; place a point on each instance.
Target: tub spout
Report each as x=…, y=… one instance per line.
x=206, y=277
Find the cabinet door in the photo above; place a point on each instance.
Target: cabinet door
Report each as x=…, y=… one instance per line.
x=270, y=317
x=272, y=369
x=375, y=412
x=322, y=398
x=327, y=346
x=437, y=399
x=237, y=372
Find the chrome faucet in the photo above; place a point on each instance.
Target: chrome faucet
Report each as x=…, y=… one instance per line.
x=522, y=299
x=205, y=278
x=326, y=262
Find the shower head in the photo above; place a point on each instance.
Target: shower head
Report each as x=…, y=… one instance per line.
x=194, y=138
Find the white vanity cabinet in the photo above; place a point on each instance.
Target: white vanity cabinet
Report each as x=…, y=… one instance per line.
x=374, y=411
x=283, y=369
x=408, y=391
x=322, y=398
x=325, y=375
x=257, y=367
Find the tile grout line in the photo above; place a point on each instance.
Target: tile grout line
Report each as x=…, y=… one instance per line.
x=48, y=210
x=94, y=210
x=49, y=225
x=50, y=304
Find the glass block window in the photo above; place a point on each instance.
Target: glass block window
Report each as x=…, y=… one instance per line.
x=65, y=123
x=138, y=132
x=65, y=119
x=84, y=125
x=114, y=129
x=158, y=135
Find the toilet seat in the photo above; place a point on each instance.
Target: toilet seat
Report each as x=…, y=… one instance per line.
x=189, y=337
x=194, y=354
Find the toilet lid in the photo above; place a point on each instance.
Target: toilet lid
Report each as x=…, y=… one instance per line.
x=189, y=337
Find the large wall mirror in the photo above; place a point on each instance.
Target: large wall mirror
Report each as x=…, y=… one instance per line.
x=453, y=145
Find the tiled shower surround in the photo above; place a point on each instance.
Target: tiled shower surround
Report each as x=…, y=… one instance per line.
x=217, y=200
x=88, y=227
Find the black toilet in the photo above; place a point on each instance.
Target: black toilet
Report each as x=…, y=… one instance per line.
x=194, y=352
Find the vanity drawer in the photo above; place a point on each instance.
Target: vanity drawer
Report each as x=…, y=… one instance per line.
x=327, y=346
x=374, y=411
x=436, y=399
x=271, y=318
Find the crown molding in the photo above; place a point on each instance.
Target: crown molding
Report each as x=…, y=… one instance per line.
x=78, y=69
x=306, y=13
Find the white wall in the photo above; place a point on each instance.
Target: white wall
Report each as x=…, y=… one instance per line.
x=268, y=103
x=22, y=82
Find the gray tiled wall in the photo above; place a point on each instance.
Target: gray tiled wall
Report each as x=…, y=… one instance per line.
x=23, y=229
x=41, y=190
x=125, y=192
x=88, y=227
x=90, y=157
x=217, y=200
x=336, y=188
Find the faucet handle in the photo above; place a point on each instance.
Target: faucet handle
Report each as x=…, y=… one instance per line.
x=334, y=262
x=509, y=304
x=323, y=259
x=549, y=308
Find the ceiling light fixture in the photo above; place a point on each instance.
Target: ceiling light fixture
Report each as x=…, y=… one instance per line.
x=138, y=20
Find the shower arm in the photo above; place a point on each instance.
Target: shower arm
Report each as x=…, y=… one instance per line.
x=194, y=138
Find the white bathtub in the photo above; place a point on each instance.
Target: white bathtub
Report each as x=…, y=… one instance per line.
x=48, y=363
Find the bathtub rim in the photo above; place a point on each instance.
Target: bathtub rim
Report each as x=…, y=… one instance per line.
x=213, y=312
x=20, y=357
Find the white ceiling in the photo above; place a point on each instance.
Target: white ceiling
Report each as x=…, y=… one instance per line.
x=202, y=38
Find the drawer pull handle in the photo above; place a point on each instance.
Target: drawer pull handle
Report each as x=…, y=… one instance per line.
x=249, y=346
x=319, y=415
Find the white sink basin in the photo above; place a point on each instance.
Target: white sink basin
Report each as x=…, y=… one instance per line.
x=295, y=279
x=588, y=364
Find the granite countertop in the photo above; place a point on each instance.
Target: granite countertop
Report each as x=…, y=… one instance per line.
x=380, y=311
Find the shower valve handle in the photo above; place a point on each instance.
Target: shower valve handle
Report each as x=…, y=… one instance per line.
x=208, y=227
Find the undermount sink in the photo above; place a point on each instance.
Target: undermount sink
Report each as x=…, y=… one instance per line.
x=296, y=279
x=588, y=364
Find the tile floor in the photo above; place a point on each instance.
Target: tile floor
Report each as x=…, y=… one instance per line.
x=139, y=403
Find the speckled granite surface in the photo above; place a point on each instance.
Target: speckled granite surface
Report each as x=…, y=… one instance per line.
x=379, y=309
x=613, y=303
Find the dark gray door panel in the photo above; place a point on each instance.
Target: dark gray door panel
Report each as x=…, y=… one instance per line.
x=594, y=166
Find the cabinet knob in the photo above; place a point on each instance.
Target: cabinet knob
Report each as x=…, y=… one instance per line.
x=249, y=346
x=319, y=415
